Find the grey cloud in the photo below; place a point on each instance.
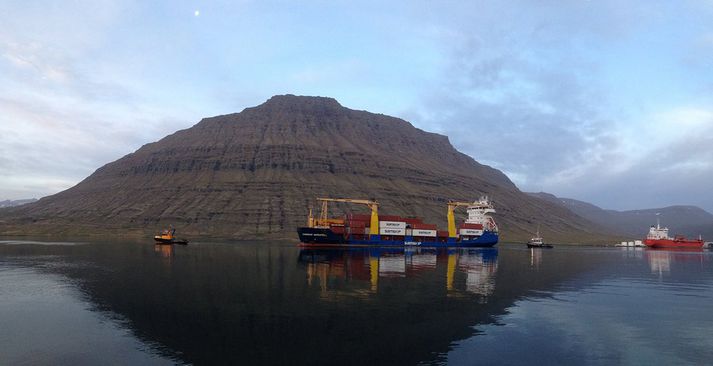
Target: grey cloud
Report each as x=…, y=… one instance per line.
x=680, y=172
x=521, y=96
x=505, y=107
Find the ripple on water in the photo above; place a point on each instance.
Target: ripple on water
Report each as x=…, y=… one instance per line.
x=32, y=242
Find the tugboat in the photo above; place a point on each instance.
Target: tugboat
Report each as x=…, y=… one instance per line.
x=537, y=241
x=168, y=237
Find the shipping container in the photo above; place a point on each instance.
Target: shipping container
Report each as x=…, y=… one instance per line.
x=425, y=226
x=471, y=232
x=392, y=224
x=442, y=233
x=466, y=225
x=422, y=232
x=391, y=231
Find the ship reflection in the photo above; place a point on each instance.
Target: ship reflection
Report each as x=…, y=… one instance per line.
x=535, y=258
x=165, y=251
x=466, y=270
x=660, y=261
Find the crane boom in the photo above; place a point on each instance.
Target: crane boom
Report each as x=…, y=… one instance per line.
x=452, y=205
x=373, y=206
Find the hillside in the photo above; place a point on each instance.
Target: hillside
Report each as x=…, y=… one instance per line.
x=687, y=220
x=255, y=173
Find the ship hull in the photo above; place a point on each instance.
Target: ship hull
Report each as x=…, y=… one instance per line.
x=673, y=243
x=322, y=237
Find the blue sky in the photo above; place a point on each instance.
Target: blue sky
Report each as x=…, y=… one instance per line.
x=605, y=101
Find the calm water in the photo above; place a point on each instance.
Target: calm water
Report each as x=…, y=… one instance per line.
x=134, y=303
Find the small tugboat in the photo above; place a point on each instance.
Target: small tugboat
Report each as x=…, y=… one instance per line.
x=168, y=237
x=537, y=241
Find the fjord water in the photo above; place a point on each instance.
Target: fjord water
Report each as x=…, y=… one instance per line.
x=272, y=303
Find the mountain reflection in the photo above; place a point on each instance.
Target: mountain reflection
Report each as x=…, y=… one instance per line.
x=262, y=303
x=475, y=268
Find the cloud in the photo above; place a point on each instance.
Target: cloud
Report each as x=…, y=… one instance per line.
x=60, y=116
x=531, y=93
x=674, y=166
x=508, y=104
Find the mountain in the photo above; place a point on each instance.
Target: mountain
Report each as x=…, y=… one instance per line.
x=13, y=203
x=255, y=174
x=687, y=220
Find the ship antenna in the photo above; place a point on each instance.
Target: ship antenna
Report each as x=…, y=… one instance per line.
x=658, y=222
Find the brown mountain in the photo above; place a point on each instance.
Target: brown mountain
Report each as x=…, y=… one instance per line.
x=255, y=173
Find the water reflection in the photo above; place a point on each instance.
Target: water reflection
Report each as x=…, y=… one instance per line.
x=535, y=258
x=165, y=251
x=466, y=270
x=660, y=260
x=271, y=303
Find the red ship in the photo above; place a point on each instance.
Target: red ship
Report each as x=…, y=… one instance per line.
x=658, y=238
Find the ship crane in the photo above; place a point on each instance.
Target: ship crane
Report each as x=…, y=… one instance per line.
x=323, y=220
x=452, y=205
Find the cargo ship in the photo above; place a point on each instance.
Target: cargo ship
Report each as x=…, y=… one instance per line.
x=658, y=238
x=478, y=230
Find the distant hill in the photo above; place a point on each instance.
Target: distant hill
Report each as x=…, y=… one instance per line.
x=255, y=174
x=13, y=203
x=687, y=220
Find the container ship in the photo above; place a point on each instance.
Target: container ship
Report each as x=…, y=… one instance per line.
x=658, y=238
x=478, y=230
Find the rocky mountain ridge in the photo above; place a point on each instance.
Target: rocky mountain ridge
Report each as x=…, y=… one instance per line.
x=680, y=219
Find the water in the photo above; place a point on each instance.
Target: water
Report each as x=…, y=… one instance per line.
x=240, y=303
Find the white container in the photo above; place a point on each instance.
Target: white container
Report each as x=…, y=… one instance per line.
x=391, y=231
x=471, y=232
x=423, y=232
x=392, y=224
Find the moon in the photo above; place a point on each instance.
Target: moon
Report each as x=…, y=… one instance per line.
x=197, y=13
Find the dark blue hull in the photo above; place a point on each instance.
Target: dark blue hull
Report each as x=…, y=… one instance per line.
x=325, y=237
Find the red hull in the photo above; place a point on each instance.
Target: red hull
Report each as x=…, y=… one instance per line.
x=673, y=243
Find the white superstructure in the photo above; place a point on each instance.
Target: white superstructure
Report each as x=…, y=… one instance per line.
x=658, y=232
x=478, y=213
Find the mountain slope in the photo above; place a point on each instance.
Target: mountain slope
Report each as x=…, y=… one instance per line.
x=687, y=220
x=255, y=173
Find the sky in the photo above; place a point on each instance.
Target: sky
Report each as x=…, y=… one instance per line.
x=610, y=102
